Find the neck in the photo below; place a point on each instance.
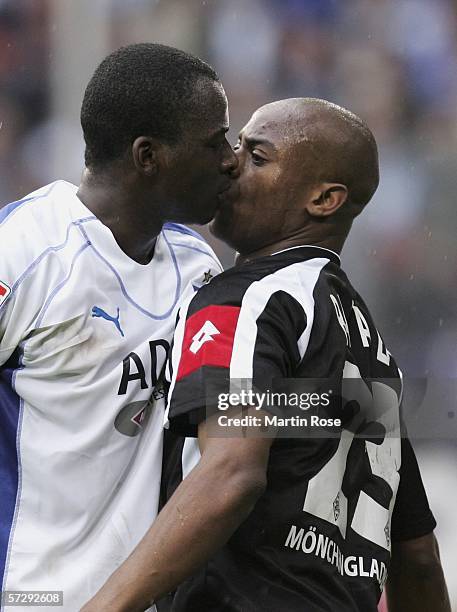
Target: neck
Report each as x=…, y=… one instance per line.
x=124, y=210
x=331, y=236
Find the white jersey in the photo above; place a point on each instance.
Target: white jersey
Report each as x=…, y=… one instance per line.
x=84, y=333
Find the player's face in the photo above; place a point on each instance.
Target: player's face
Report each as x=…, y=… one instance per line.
x=266, y=205
x=202, y=163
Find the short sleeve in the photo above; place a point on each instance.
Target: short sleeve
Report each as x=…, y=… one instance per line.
x=220, y=343
x=412, y=517
x=26, y=278
x=15, y=306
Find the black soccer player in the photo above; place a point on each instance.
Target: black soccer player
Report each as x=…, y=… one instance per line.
x=90, y=281
x=312, y=520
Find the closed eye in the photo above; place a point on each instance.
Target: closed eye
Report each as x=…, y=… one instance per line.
x=258, y=160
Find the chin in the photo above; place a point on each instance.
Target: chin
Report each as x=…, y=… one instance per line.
x=204, y=217
x=203, y=220
x=225, y=233
x=223, y=222
x=219, y=230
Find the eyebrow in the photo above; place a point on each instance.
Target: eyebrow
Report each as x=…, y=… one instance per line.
x=252, y=142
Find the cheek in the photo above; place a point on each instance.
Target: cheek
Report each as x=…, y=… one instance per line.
x=198, y=167
x=259, y=183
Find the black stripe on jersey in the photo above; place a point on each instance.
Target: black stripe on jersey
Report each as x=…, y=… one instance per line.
x=270, y=331
x=171, y=466
x=195, y=406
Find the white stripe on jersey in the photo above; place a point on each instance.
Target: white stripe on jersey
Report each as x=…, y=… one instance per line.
x=190, y=456
x=298, y=280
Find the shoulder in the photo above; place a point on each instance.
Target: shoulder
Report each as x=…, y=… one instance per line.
x=38, y=218
x=188, y=246
x=269, y=280
x=33, y=228
x=43, y=202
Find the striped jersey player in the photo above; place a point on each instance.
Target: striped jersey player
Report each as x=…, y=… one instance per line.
x=315, y=519
x=320, y=536
x=84, y=333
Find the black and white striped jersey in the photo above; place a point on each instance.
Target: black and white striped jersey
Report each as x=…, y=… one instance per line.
x=320, y=536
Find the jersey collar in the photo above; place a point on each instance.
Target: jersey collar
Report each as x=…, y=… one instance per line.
x=326, y=252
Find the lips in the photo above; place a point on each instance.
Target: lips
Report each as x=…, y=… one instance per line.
x=230, y=192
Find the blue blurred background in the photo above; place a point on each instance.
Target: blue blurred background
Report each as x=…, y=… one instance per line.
x=392, y=62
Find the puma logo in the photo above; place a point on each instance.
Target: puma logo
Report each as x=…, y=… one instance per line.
x=99, y=312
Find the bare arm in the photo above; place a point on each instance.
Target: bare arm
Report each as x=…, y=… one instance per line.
x=200, y=517
x=416, y=580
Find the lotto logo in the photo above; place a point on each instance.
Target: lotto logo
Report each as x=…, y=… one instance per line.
x=205, y=334
x=208, y=339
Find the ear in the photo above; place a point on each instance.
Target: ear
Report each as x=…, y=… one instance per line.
x=145, y=153
x=326, y=198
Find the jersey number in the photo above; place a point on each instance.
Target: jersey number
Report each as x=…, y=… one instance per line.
x=325, y=498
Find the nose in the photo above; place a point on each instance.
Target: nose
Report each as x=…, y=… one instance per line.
x=230, y=162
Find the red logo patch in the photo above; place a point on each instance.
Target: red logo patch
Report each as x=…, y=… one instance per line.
x=208, y=339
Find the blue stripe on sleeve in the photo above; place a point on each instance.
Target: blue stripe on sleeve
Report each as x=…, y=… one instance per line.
x=9, y=208
x=10, y=404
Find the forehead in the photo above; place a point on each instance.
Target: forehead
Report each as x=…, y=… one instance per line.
x=294, y=135
x=211, y=109
x=281, y=126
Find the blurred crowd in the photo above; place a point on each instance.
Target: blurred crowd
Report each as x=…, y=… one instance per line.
x=392, y=62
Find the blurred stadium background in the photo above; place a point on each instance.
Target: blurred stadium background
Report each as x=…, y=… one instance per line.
x=394, y=62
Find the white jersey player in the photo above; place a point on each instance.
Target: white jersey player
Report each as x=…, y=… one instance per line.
x=84, y=333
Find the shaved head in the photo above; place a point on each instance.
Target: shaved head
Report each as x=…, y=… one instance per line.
x=337, y=145
x=306, y=168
